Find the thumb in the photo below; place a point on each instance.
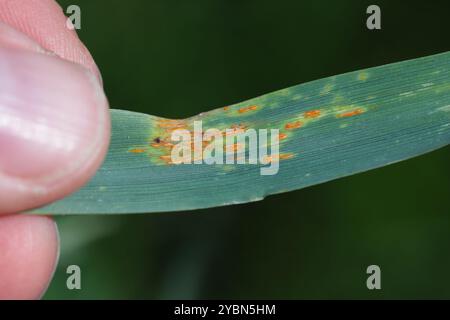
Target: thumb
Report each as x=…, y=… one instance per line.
x=54, y=124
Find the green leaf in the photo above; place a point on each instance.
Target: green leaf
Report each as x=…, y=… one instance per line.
x=330, y=128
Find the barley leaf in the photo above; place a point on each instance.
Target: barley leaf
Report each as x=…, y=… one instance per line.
x=329, y=128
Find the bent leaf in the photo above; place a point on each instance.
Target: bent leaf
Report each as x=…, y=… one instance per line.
x=329, y=128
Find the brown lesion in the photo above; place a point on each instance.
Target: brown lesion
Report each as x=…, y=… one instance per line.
x=160, y=143
x=160, y=146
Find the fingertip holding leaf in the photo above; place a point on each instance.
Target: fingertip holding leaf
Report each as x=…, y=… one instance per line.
x=328, y=128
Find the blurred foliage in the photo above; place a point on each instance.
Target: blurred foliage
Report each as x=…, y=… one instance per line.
x=178, y=58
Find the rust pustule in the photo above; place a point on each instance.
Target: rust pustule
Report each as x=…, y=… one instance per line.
x=137, y=150
x=293, y=125
x=312, y=114
x=350, y=113
x=282, y=136
x=282, y=156
x=285, y=156
x=247, y=109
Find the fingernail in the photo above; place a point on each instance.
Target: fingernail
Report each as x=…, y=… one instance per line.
x=52, y=115
x=10, y=37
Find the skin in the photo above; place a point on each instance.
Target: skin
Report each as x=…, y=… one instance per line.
x=54, y=133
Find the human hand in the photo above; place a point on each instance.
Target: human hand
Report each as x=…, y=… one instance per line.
x=54, y=134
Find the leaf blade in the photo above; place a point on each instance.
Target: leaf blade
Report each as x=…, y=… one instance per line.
x=331, y=128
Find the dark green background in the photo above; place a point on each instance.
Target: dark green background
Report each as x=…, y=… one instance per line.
x=178, y=58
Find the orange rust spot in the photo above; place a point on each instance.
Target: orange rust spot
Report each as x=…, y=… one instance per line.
x=167, y=159
x=293, y=125
x=162, y=144
x=226, y=108
x=285, y=156
x=171, y=124
x=247, y=109
x=235, y=130
x=238, y=127
x=167, y=144
x=268, y=159
x=178, y=127
x=312, y=114
x=137, y=150
x=282, y=136
x=350, y=113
